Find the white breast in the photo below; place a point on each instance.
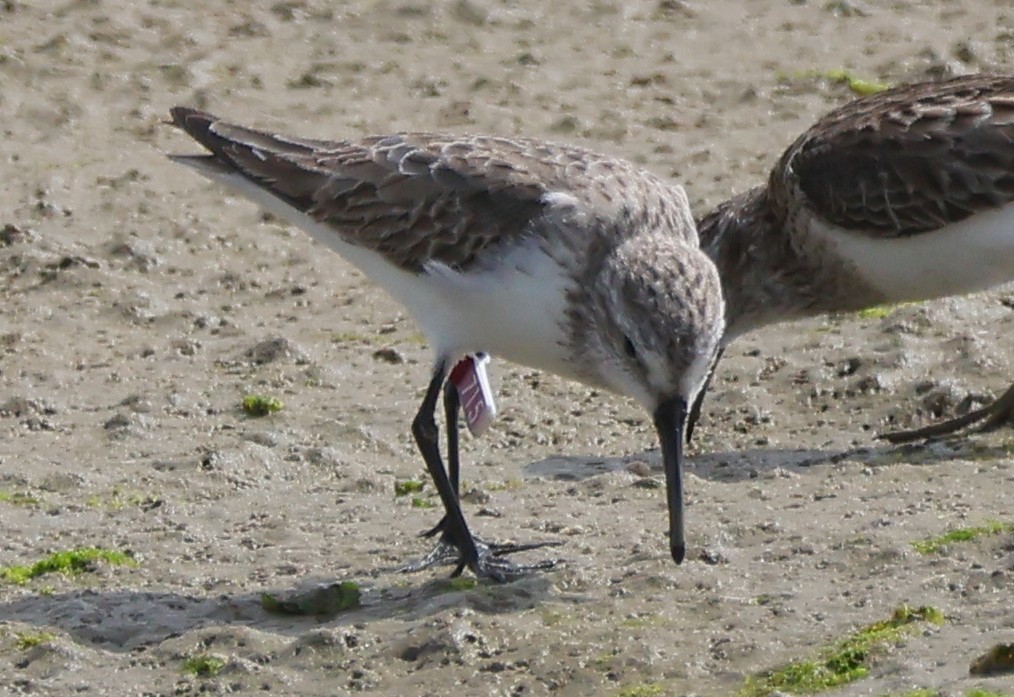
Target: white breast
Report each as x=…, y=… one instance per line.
x=515, y=309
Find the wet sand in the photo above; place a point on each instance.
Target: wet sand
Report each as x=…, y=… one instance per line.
x=140, y=304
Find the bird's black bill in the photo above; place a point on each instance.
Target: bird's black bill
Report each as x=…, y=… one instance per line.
x=670, y=419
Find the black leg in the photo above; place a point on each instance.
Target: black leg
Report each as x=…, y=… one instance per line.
x=424, y=428
x=445, y=551
x=456, y=541
x=452, y=402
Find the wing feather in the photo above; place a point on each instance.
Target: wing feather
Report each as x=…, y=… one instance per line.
x=908, y=160
x=421, y=197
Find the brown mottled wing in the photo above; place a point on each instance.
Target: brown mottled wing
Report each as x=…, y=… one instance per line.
x=415, y=197
x=908, y=160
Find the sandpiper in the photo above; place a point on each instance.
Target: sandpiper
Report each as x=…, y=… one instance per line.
x=547, y=255
x=904, y=195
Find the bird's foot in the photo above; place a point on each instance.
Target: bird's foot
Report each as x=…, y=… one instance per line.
x=444, y=552
x=989, y=418
x=489, y=562
x=492, y=565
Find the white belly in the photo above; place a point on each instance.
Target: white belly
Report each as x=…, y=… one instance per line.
x=964, y=257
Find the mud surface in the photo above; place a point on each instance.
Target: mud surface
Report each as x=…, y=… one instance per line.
x=141, y=304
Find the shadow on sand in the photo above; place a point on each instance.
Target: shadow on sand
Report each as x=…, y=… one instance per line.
x=747, y=464
x=123, y=619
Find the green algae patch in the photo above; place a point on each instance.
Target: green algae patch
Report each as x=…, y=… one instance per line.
x=70, y=563
x=932, y=545
x=326, y=600
x=456, y=584
x=461, y=583
x=876, y=312
x=28, y=640
x=19, y=498
x=204, y=665
x=259, y=405
x=857, y=84
x=881, y=311
x=408, y=486
x=118, y=500
x=420, y=502
x=842, y=663
x=644, y=689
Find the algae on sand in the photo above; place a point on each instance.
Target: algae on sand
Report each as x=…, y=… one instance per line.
x=204, y=665
x=407, y=486
x=846, y=661
x=326, y=600
x=259, y=405
x=70, y=563
x=935, y=544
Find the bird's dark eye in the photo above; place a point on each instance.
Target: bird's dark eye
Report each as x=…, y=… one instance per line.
x=628, y=347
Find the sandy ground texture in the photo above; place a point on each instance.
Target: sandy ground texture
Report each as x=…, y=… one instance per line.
x=140, y=304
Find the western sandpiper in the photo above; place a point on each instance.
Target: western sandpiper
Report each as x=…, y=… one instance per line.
x=547, y=255
x=903, y=195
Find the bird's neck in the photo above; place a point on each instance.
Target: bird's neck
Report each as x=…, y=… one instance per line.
x=771, y=271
